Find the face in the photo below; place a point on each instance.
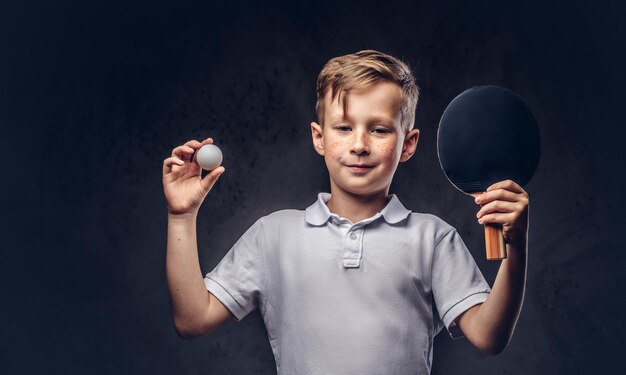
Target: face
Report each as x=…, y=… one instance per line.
x=363, y=146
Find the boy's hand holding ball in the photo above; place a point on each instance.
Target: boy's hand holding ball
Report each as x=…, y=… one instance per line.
x=183, y=185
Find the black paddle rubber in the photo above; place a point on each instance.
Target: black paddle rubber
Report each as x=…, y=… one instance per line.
x=487, y=134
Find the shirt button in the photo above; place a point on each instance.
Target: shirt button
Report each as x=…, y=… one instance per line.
x=353, y=236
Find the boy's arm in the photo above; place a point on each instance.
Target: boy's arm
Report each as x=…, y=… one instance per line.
x=490, y=326
x=195, y=310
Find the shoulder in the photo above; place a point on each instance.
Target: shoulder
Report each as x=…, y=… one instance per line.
x=285, y=214
x=429, y=228
x=281, y=217
x=429, y=222
x=279, y=226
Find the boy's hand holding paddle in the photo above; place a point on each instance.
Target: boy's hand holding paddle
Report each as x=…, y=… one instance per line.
x=488, y=147
x=505, y=203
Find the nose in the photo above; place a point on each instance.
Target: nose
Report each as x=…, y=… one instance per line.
x=360, y=145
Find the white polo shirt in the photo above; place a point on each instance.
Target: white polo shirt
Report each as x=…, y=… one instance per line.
x=344, y=298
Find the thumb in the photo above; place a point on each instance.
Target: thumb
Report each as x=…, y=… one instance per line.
x=209, y=180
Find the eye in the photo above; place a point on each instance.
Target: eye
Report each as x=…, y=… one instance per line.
x=381, y=130
x=343, y=128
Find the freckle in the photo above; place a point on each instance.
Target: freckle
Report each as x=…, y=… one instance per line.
x=384, y=149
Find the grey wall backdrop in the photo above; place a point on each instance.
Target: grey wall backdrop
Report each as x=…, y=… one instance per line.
x=94, y=95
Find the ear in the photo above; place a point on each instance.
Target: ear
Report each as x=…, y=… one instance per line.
x=410, y=144
x=318, y=139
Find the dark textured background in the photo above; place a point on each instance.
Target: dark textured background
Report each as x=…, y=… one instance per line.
x=94, y=95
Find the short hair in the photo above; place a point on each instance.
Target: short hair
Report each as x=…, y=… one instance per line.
x=361, y=70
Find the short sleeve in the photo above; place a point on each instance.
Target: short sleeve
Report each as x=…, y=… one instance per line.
x=237, y=281
x=457, y=282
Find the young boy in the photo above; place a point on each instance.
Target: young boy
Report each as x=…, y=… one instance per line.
x=356, y=283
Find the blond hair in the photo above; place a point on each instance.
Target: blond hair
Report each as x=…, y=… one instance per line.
x=361, y=70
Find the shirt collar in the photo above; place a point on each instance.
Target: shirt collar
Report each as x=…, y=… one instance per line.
x=318, y=213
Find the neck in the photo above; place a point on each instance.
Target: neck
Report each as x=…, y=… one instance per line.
x=356, y=207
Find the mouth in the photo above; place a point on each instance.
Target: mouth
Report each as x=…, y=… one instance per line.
x=360, y=168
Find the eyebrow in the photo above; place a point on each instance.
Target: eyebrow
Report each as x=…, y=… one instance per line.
x=373, y=119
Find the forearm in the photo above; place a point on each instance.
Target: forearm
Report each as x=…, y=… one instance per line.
x=188, y=294
x=496, y=318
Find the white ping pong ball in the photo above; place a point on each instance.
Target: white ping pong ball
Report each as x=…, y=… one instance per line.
x=209, y=157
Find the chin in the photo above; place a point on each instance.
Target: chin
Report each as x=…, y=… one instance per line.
x=364, y=191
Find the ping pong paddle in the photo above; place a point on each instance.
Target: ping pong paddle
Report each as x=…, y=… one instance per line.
x=488, y=134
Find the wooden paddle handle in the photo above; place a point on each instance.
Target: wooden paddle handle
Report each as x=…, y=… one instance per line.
x=494, y=242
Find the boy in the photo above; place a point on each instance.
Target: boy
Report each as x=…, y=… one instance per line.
x=356, y=283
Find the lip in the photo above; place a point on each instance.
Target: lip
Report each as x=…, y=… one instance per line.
x=360, y=168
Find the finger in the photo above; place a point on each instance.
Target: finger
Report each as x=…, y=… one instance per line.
x=193, y=143
x=498, y=218
x=499, y=194
x=499, y=206
x=209, y=180
x=197, y=146
x=507, y=185
x=184, y=152
x=170, y=162
x=207, y=141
